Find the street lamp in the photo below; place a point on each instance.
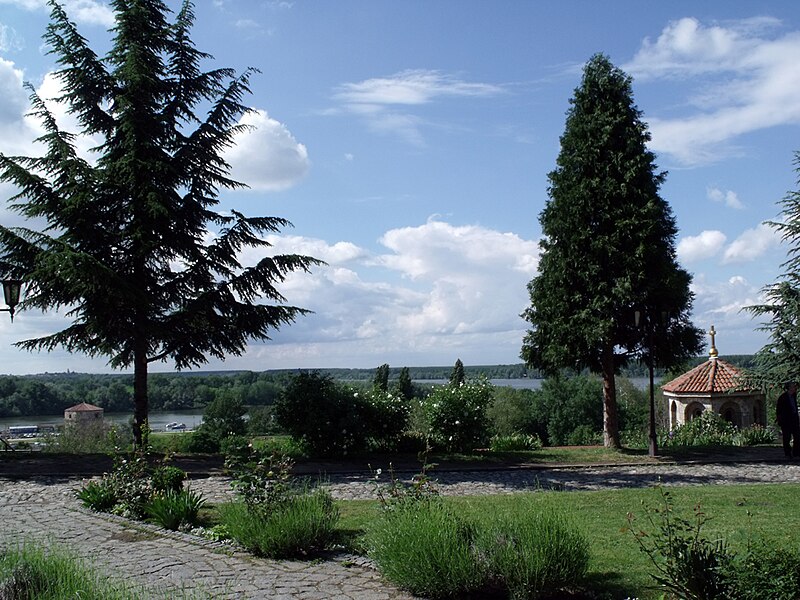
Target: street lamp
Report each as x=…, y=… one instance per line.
x=11, y=291
x=653, y=446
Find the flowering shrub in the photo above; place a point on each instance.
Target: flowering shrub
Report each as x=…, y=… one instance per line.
x=387, y=417
x=456, y=415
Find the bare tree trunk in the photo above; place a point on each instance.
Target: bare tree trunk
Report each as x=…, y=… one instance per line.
x=140, y=407
x=610, y=420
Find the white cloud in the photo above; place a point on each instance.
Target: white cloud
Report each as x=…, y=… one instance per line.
x=729, y=198
x=89, y=12
x=747, y=76
x=267, y=157
x=9, y=39
x=438, y=289
x=722, y=303
x=751, y=244
x=385, y=102
x=700, y=247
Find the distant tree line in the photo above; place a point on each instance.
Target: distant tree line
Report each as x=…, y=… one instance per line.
x=51, y=393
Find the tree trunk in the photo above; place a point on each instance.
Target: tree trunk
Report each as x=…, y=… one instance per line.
x=140, y=407
x=610, y=422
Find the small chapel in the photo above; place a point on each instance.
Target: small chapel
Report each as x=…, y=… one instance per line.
x=714, y=385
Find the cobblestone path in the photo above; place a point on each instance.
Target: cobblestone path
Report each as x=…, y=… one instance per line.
x=45, y=508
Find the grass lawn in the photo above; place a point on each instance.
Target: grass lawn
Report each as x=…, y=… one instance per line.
x=618, y=567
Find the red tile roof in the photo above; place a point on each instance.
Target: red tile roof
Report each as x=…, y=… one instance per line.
x=715, y=376
x=83, y=407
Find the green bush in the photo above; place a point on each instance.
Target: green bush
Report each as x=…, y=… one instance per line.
x=386, y=418
x=766, y=572
x=98, y=496
x=166, y=477
x=225, y=416
x=456, y=415
x=202, y=441
x=328, y=419
x=261, y=421
x=709, y=429
x=426, y=548
x=130, y=480
x=511, y=411
x=685, y=562
x=173, y=509
x=570, y=407
x=755, y=435
x=298, y=527
x=535, y=555
x=284, y=445
x=90, y=438
x=515, y=442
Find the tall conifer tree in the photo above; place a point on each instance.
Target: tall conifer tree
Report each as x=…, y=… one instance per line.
x=779, y=360
x=132, y=245
x=608, y=247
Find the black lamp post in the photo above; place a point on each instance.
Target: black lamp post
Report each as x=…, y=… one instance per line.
x=11, y=292
x=653, y=445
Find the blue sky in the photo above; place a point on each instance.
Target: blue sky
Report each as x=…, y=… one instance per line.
x=409, y=143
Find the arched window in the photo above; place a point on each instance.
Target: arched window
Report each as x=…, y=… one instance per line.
x=731, y=412
x=694, y=410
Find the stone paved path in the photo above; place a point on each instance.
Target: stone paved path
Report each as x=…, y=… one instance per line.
x=45, y=508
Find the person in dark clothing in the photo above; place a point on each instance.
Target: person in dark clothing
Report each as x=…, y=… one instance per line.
x=788, y=420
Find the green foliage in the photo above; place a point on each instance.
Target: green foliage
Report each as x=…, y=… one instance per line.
x=608, y=245
x=421, y=543
x=99, y=496
x=512, y=411
x=261, y=421
x=33, y=572
x=280, y=444
x=202, y=441
x=261, y=480
x=515, y=442
x=779, y=360
x=381, y=380
x=709, y=429
x=766, y=571
x=689, y=565
x=130, y=480
x=534, y=554
x=385, y=418
x=137, y=488
x=572, y=408
x=328, y=419
x=456, y=415
x=88, y=438
x=167, y=478
x=300, y=526
x=686, y=563
x=405, y=387
x=174, y=508
x=457, y=377
x=426, y=548
x=345, y=420
x=223, y=418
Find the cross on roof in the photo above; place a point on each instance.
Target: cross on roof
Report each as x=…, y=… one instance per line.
x=713, y=351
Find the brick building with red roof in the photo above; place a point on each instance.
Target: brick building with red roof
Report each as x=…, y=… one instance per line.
x=715, y=385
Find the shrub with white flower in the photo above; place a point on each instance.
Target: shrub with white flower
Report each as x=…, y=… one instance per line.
x=388, y=417
x=456, y=415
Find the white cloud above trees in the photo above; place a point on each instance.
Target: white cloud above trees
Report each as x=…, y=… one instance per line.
x=745, y=76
